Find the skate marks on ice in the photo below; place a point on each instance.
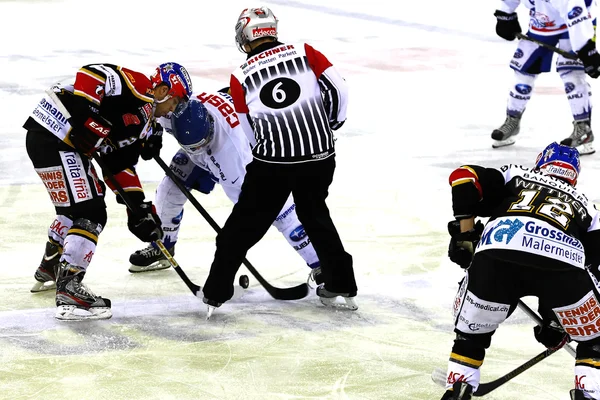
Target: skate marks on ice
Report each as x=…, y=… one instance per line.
x=181, y=319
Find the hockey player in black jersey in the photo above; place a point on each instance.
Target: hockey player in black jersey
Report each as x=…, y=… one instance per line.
x=113, y=112
x=543, y=240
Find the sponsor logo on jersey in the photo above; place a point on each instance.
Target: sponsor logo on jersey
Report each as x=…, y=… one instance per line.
x=177, y=220
x=180, y=159
x=578, y=20
x=298, y=234
x=267, y=54
x=502, y=232
x=131, y=119
x=569, y=87
x=518, y=53
x=302, y=245
x=523, y=89
x=575, y=12
x=582, y=319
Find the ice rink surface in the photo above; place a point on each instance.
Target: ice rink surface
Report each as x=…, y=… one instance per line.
x=428, y=85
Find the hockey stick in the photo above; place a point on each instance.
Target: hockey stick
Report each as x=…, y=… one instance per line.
x=292, y=293
x=196, y=290
x=565, y=54
x=538, y=320
x=439, y=375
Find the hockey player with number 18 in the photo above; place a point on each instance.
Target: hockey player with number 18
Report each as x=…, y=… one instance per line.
x=570, y=25
x=542, y=239
x=214, y=149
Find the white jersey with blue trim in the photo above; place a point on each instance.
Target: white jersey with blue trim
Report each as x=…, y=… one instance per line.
x=553, y=17
x=229, y=151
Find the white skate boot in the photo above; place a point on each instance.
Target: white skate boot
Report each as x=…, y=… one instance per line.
x=75, y=302
x=505, y=134
x=582, y=137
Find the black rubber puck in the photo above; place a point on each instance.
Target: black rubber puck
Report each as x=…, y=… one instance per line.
x=244, y=281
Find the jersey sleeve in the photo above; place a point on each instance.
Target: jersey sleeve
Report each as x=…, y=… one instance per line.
x=238, y=95
x=475, y=190
x=333, y=87
x=579, y=22
x=509, y=6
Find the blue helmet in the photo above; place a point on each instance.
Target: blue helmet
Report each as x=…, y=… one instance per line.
x=193, y=127
x=176, y=77
x=559, y=161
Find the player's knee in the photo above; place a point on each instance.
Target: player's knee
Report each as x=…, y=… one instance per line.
x=472, y=346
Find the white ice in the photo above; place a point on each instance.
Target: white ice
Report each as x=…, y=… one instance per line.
x=428, y=85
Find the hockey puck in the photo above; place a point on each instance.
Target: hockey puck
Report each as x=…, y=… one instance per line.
x=244, y=281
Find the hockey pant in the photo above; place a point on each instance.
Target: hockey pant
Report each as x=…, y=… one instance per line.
x=76, y=193
x=529, y=60
x=490, y=292
x=170, y=201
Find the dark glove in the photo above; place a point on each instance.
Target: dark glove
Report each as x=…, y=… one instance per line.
x=507, y=25
x=144, y=223
x=153, y=143
x=551, y=335
x=88, y=133
x=462, y=244
x=590, y=58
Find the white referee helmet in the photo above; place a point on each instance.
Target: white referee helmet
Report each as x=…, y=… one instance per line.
x=255, y=23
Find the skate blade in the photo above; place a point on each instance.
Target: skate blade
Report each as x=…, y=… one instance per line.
x=238, y=293
x=74, y=313
x=503, y=143
x=349, y=304
x=439, y=377
x=157, y=266
x=43, y=286
x=586, y=149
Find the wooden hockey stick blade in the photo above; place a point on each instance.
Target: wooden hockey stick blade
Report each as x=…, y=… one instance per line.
x=439, y=375
x=565, y=54
x=293, y=293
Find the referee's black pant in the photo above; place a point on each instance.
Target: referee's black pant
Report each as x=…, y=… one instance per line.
x=265, y=189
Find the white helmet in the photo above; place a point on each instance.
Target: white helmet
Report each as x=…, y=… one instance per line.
x=255, y=23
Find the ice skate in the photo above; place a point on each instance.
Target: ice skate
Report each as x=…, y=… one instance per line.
x=577, y=394
x=315, y=278
x=45, y=275
x=329, y=299
x=149, y=259
x=505, y=134
x=582, y=137
x=211, y=306
x=460, y=391
x=74, y=300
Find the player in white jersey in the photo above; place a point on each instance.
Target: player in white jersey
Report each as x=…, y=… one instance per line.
x=570, y=25
x=215, y=149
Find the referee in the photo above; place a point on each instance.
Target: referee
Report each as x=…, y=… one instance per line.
x=294, y=98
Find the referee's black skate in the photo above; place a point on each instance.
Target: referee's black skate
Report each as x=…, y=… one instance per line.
x=74, y=300
x=149, y=259
x=460, y=391
x=505, y=134
x=45, y=275
x=328, y=298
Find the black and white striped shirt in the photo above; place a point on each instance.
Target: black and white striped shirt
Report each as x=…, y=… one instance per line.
x=294, y=97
